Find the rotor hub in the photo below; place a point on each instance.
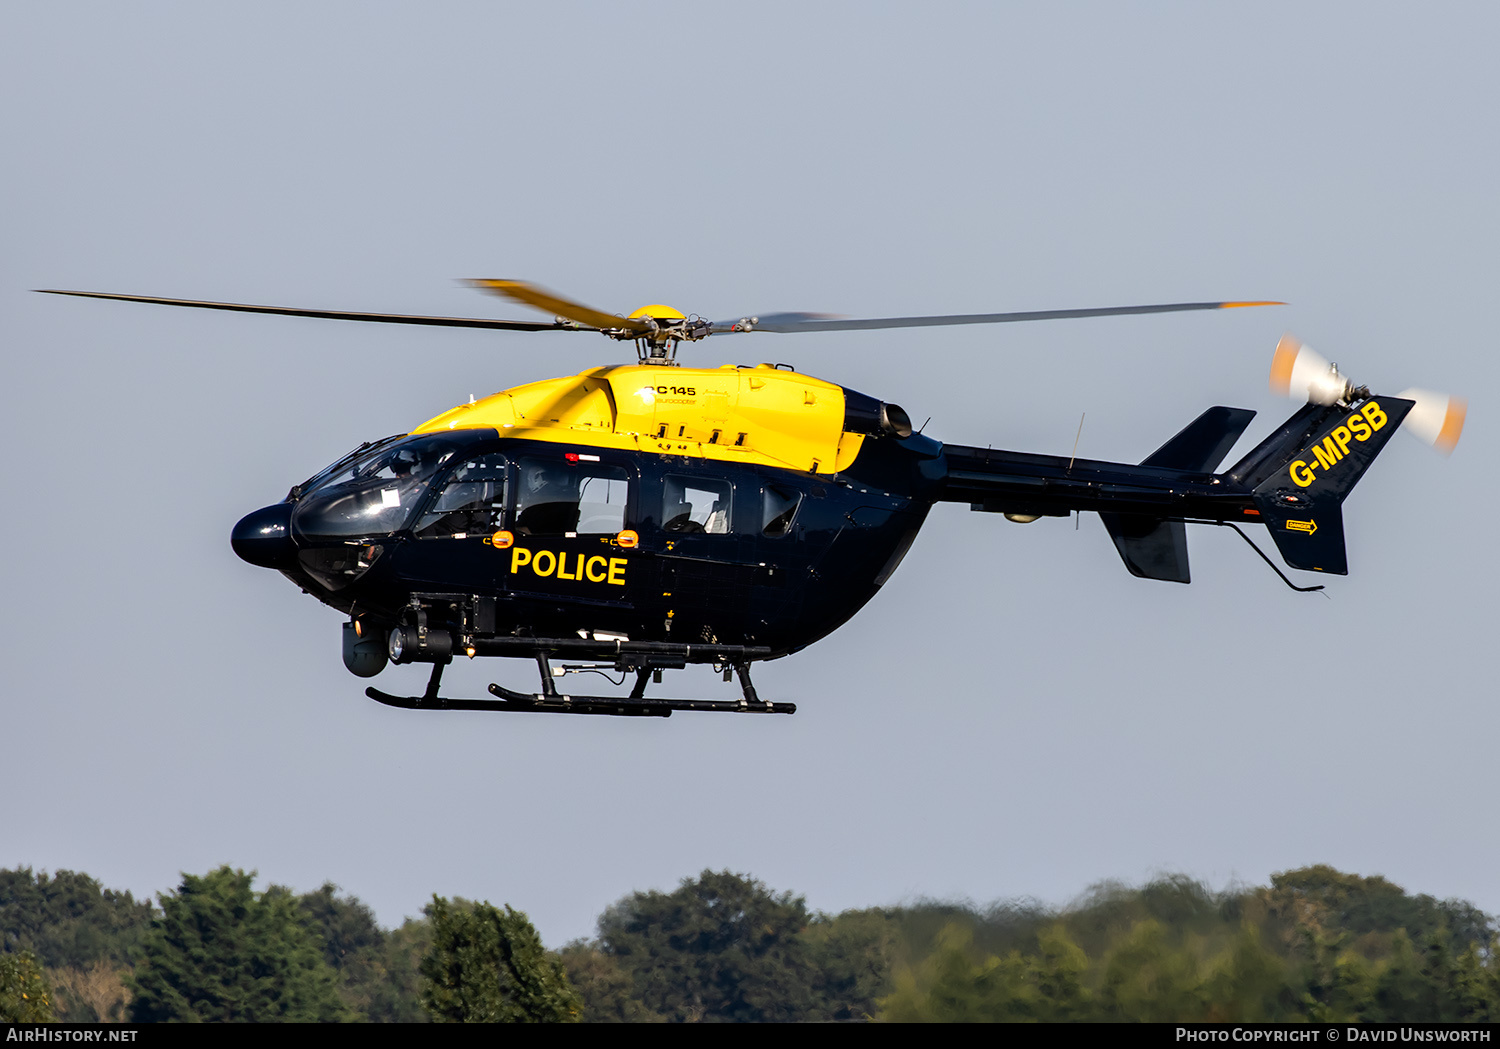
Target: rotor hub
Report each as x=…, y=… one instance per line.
x=667, y=327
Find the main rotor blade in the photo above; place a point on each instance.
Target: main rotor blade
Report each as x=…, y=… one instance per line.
x=794, y=322
x=336, y=315
x=551, y=302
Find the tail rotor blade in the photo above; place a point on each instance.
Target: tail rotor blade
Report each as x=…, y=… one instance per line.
x=1437, y=419
x=1299, y=372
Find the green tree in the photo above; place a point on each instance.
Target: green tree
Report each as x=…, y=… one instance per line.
x=24, y=996
x=1336, y=984
x=604, y=986
x=84, y=935
x=956, y=984
x=1060, y=973
x=1473, y=990
x=489, y=966
x=1326, y=897
x=722, y=947
x=343, y=925
x=851, y=955
x=1249, y=983
x=377, y=969
x=222, y=952
x=1356, y=941
x=92, y=994
x=68, y=919
x=399, y=998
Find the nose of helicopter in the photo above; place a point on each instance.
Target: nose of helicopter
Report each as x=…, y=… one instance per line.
x=264, y=538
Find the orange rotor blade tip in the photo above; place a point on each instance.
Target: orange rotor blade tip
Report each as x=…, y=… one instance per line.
x=1281, y=364
x=1237, y=305
x=1453, y=425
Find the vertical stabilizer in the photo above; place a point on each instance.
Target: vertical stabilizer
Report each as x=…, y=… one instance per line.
x=1304, y=481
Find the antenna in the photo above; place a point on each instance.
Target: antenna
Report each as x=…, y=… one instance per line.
x=1075, y=441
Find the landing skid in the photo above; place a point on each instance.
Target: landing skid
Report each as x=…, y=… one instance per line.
x=550, y=701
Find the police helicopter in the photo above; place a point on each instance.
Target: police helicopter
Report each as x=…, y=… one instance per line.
x=639, y=518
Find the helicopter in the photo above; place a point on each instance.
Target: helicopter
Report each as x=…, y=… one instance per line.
x=644, y=517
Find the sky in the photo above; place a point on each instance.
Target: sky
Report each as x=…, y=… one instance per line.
x=1014, y=715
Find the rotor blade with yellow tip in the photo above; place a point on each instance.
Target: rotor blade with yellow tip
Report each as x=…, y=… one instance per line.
x=542, y=299
x=795, y=322
x=336, y=315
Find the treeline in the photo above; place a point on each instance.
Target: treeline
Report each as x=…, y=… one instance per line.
x=1316, y=944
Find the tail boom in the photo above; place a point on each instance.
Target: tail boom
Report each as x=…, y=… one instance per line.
x=1294, y=482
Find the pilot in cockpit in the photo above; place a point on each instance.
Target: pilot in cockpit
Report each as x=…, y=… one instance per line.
x=549, y=500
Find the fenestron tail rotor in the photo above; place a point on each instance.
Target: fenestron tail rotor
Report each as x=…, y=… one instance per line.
x=1299, y=372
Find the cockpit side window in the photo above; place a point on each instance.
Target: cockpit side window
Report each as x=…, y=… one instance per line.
x=561, y=497
x=376, y=494
x=695, y=504
x=470, y=501
x=345, y=467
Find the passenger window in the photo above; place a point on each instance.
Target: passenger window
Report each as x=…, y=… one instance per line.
x=470, y=502
x=777, y=508
x=695, y=504
x=559, y=498
x=601, y=503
